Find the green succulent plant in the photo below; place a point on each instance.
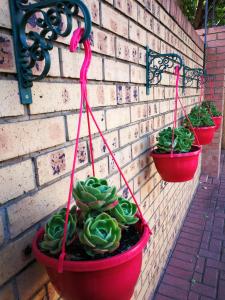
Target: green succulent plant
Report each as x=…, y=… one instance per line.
x=211, y=108
x=199, y=117
x=124, y=212
x=100, y=234
x=183, y=140
x=95, y=194
x=54, y=229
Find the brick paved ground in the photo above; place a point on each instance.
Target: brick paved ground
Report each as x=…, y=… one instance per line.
x=196, y=268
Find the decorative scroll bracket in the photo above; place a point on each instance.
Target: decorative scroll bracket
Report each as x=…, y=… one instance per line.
x=191, y=74
x=31, y=47
x=157, y=63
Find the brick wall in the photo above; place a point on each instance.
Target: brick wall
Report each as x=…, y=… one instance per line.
x=215, y=65
x=36, y=141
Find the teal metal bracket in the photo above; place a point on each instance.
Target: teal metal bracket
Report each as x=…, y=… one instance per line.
x=157, y=63
x=191, y=75
x=31, y=46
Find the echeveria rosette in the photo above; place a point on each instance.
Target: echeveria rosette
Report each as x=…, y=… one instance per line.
x=95, y=194
x=54, y=231
x=100, y=234
x=124, y=212
x=211, y=107
x=183, y=140
x=199, y=117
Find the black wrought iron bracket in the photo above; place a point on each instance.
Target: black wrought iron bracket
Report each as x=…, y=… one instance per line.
x=157, y=63
x=53, y=18
x=191, y=75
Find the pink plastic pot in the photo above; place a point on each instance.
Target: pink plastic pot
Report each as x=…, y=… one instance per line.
x=177, y=167
x=205, y=134
x=217, y=121
x=104, y=279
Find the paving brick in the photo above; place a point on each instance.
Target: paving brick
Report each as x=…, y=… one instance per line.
x=204, y=290
x=52, y=294
x=15, y=180
x=32, y=209
x=211, y=276
x=10, y=101
x=30, y=136
x=177, y=282
x=6, y=293
x=31, y=280
x=173, y=292
x=180, y=273
x=40, y=295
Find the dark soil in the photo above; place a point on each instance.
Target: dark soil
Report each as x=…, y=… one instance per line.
x=129, y=238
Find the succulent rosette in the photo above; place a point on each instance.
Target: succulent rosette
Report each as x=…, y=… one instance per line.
x=100, y=234
x=54, y=231
x=95, y=194
x=125, y=212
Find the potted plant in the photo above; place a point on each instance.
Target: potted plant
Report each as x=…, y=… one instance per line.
x=212, y=109
x=202, y=124
x=104, y=243
x=176, y=161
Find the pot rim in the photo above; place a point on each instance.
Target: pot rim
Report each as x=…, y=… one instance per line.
x=92, y=265
x=217, y=117
x=205, y=127
x=196, y=152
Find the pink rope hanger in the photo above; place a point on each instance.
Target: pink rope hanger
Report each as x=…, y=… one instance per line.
x=83, y=82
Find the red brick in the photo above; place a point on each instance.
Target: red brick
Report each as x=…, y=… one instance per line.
x=215, y=264
x=204, y=290
x=221, y=36
x=221, y=290
x=173, y=292
x=181, y=264
x=200, y=265
x=161, y=297
x=186, y=249
x=184, y=274
x=176, y=282
x=193, y=296
x=211, y=277
x=189, y=243
x=209, y=254
x=184, y=256
x=216, y=43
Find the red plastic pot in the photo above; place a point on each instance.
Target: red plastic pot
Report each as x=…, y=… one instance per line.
x=205, y=134
x=177, y=167
x=104, y=279
x=217, y=121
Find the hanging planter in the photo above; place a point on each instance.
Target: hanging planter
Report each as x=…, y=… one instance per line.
x=180, y=164
x=175, y=157
x=104, y=279
x=217, y=121
x=202, y=125
x=215, y=114
x=93, y=250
